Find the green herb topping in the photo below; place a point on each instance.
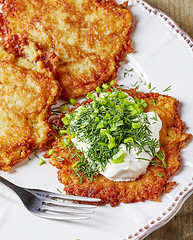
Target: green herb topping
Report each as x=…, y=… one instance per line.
x=72, y=101
x=167, y=89
x=98, y=128
x=41, y=162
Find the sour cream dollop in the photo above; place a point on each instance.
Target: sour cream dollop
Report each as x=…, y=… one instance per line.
x=133, y=165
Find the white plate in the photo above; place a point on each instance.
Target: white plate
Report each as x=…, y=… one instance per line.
x=164, y=57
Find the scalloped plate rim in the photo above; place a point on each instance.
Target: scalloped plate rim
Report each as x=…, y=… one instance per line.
x=140, y=235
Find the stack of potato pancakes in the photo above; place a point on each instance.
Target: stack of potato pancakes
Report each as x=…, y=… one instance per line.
x=51, y=49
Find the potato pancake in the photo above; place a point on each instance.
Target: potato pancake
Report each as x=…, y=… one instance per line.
x=150, y=185
x=25, y=99
x=28, y=54
x=89, y=37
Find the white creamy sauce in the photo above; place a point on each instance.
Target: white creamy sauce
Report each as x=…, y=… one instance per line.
x=132, y=167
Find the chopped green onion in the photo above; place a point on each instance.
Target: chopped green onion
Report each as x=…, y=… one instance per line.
x=98, y=89
x=62, y=132
x=90, y=95
x=72, y=135
x=64, y=108
x=66, y=119
x=51, y=151
x=129, y=140
x=105, y=86
x=112, y=82
x=97, y=119
x=100, y=125
x=72, y=101
x=111, y=143
x=119, y=157
x=41, y=162
x=104, y=131
x=145, y=105
x=136, y=125
x=113, y=128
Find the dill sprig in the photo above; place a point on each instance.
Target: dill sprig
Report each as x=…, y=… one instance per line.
x=127, y=72
x=167, y=89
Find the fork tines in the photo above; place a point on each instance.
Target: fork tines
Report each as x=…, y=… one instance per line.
x=60, y=206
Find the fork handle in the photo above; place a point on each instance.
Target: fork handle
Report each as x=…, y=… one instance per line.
x=14, y=187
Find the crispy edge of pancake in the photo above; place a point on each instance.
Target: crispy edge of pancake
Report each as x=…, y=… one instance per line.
x=73, y=86
x=149, y=186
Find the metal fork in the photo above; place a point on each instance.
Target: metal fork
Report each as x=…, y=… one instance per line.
x=52, y=205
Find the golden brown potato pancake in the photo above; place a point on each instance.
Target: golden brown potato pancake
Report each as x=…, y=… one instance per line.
x=28, y=54
x=25, y=99
x=88, y=36
x=150, y=185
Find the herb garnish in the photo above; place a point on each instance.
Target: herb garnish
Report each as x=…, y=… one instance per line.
x=155, y=118
x=151, y=90
x=72, y=101
x=41, y=162
x=167, y=89
x=127, y=72
x=122, y=6
x=111, y=119
x=160, y=174
x=58, y=190
x=54, y=127
x=134, y=85
x=154, y=102
x=150, y=87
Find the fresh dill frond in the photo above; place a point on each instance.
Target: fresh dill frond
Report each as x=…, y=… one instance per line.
x=167, y=89
x=127, y=72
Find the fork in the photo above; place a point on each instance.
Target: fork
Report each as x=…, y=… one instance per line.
x=52, y=205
